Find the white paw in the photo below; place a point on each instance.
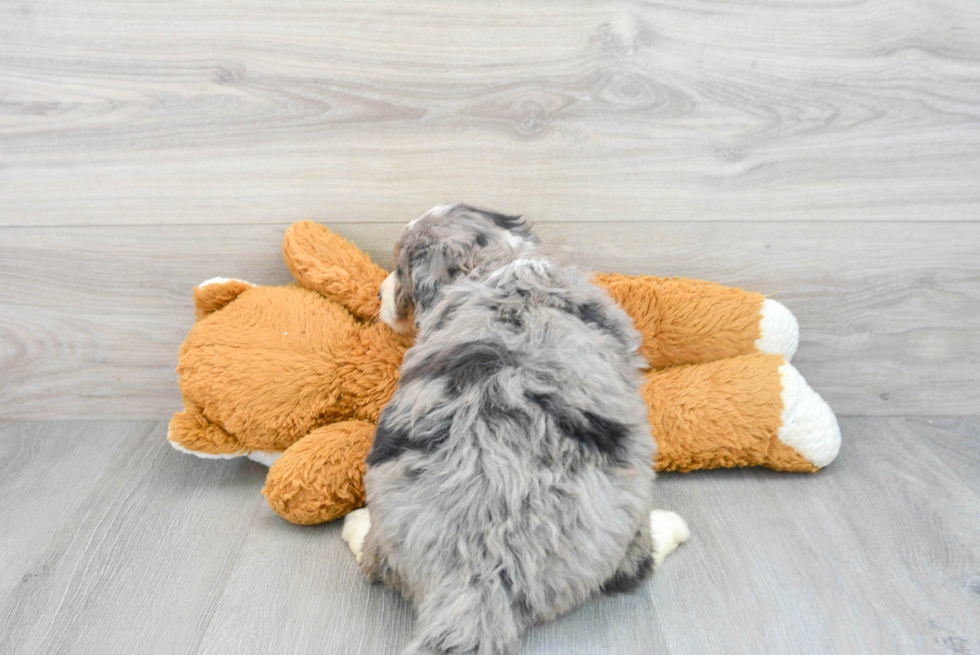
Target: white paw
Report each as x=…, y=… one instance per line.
x=809, y=425
x=779, y=331
x=668, y=530
x=356, y=526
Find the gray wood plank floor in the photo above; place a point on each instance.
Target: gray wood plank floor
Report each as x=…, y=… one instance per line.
x=118, y=544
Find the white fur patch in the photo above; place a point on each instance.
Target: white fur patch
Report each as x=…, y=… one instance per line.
x=537, y=266
x=389, y=313
x=779, y=331
x=443, y=210
x=809, y=425
x=356, y=526
x=513, y=240
x=669, y=530
x=223, y=280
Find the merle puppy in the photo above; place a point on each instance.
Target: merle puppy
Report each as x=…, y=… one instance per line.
x=510, y=475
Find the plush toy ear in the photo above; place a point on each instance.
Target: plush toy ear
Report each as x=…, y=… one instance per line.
x=211, y=295
x=334, y=267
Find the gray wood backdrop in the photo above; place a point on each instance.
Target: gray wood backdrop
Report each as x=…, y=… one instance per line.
x=827, y=153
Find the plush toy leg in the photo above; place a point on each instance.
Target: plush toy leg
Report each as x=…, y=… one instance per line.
x=753, y=410
x=190, y=431
x=334, y=267
x=319, y=478
x=691, y=321
x=211, y=295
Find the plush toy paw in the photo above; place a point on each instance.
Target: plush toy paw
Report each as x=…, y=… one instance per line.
x=779, y=331
x=191, y=433
x=356, y=526
x=264, y=457
x=808, y=424
x=669, y=530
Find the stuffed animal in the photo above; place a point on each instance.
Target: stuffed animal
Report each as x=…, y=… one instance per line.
x=295, y=377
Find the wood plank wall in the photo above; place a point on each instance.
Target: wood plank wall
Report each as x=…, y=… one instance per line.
x=826, y=153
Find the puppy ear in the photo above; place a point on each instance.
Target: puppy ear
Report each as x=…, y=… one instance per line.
x=437, y=265
x=428, y=273
x=516, y=225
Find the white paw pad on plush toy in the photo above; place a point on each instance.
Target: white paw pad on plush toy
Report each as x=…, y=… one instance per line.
x=808, y=424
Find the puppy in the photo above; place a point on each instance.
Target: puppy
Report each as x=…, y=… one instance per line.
x=510, y=475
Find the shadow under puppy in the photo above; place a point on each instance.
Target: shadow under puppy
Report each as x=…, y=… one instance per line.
x=510, y=475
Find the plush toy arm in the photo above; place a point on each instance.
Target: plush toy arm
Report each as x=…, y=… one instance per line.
x=690, y=321
x=320, y=477
x=753, y=410
x=334, y=267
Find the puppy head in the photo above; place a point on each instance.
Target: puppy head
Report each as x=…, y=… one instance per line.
x=443, y=245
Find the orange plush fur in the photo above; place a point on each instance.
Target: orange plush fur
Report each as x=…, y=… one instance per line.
x=297, y=375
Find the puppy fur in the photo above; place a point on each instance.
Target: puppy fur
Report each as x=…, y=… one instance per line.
x=510, y=475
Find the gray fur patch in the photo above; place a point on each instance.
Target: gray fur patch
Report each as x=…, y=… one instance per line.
x=511, y=474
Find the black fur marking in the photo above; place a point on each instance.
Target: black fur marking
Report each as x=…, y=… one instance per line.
x=588, y=428
x=448, y=313
x=500, y=220
x=492, y=410
x=518, y=600
x=591, y=312
x=464, y=364
x=511, y=316
x=390, y=442
x=426, y=284
x=514, y=320
x=623, y=582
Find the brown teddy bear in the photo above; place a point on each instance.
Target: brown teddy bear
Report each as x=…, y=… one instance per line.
x=296, y=376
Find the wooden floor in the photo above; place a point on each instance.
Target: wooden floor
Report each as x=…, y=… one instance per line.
x=115, y=543
x=827, y=153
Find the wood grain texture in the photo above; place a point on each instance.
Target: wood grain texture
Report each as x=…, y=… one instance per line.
x=121, y=112
x=32, y=457
x=133, y=563
x=92, y=318
x=168, y=554
x=877, y=554
x=956, y=441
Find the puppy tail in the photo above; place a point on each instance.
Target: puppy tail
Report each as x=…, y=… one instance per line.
x=479, y=619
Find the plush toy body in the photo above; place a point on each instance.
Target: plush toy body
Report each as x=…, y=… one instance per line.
x=296, y=376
